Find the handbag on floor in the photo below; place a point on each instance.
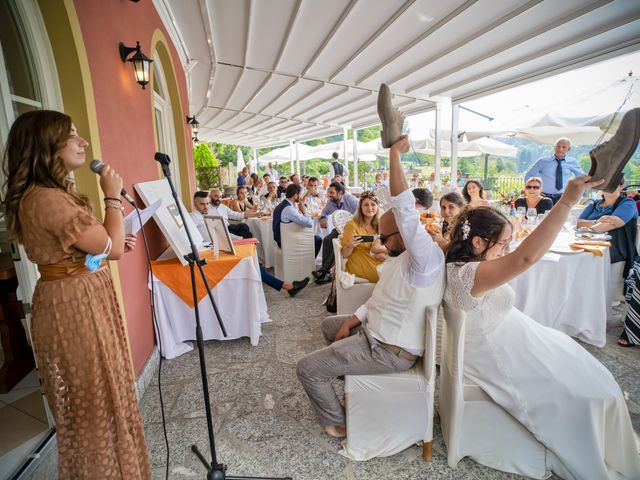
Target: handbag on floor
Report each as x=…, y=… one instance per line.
x=332, y=300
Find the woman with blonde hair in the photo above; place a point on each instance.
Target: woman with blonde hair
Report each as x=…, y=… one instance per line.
x=78, y=334
x=363, y=251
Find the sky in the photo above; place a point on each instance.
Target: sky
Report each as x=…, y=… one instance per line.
x=587, y=91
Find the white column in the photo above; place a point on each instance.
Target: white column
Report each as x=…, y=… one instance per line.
x=345, y=134
x=297, y=158
x=438, y=137
x=455, y=110
x=355, y=158
x=255, y=159
x=291, y=157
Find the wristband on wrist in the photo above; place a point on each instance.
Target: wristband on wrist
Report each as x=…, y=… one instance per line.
x=112, y=198
x=117, y=207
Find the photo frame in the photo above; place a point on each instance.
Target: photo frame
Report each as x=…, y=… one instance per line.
x=219, y=233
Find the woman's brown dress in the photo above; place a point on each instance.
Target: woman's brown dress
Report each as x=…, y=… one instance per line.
x=81, y=349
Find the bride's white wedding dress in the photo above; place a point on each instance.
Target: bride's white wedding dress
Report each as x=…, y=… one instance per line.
x=566, y=398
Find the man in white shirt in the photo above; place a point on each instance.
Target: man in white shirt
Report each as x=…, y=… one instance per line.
x=216, y=207
x=272, y=172
x=387, y=333
x=312, y=198
x=336, y=169
x=201, y=206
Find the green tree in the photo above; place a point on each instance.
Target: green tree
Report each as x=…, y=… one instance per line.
x=206, y=166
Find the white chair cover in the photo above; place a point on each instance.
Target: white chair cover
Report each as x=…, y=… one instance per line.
x=296, y=259
x=349, y=299
x=472, y=423
x=390, y=412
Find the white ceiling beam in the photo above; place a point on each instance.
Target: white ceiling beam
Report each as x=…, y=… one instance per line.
x=340, y=105
x=327, y=39
x=467, y=40
x=536, y=33
x=297, y=100
x=322, y=102
x=285, y=41
x=206, y=23
x=373, y=37
x=436, y=26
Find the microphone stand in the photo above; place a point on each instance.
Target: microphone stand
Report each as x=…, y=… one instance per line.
x=215, y=470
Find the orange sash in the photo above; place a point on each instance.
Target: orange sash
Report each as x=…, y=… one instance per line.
x=177, y=277
x=59, y=270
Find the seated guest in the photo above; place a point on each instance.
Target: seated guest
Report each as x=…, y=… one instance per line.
x=251, y=183
x=295, y=178
x=387, y=333
x=292, y=210
x=533, y=197
x=379, y=183
x=338, y=179
x=242, y=203
x=423, y=197
x=216, y=207
x=242, y=176
x=450, y=206
x=282, y=187
x=473, y=193
x=260, y=189
x=617, y=215
x=312, y=198
x=200, y=208
x=271, y=199
x=200, y=204
x=337, y=199
x=267, y=178
x=545, y=379
x=363, y=257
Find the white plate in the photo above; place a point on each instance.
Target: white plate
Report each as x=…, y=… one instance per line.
x=563, y=249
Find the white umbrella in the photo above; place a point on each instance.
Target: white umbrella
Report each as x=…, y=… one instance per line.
x=277, y=156
x=240, y=160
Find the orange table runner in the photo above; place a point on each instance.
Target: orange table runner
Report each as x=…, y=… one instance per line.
x=177, y=277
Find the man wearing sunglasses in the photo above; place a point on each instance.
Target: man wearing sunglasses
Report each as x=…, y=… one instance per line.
x=387, y=333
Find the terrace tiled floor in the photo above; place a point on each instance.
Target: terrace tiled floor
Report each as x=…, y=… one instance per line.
x=263, y=422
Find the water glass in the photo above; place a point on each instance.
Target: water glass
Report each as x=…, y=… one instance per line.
x=532, y=213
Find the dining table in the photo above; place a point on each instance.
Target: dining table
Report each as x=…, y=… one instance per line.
x=236, y=287
x=568, y=290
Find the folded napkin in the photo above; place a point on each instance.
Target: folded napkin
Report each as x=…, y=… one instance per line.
x=595, y=249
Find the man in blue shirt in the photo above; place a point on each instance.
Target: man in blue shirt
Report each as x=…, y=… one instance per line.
x=555, y=170
x=337, y=199
x=287, y=212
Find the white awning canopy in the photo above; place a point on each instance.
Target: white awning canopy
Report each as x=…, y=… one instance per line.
x=262, y=73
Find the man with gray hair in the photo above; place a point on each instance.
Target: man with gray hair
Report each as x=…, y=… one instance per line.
x=555, y=170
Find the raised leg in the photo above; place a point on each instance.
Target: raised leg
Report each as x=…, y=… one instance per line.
x=426, y=451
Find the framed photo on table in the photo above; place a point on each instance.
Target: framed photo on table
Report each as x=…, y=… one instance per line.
x=219, y=233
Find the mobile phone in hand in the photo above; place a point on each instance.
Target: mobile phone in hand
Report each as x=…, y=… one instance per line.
x=366, y=238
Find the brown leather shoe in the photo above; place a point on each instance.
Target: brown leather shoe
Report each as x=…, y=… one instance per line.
x=609, y=158
x=337, y=431
x=390, y=117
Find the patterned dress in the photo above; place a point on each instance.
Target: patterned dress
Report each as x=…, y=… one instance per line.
x=80, y=345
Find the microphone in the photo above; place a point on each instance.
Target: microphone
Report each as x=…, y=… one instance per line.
x=96, y=167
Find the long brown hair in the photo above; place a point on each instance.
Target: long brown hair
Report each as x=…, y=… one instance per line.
x=31, y=159
x=358, y=217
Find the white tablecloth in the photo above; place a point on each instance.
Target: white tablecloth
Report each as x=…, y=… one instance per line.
x=571, y=295
x=240, y=300
x=263, y=231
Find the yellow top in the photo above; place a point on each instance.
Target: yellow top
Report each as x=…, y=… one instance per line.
x=360, y=263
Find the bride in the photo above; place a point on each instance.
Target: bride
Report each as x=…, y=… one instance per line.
x=566, y=398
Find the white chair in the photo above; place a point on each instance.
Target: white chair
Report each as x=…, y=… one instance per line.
x=349, y=299
x=388, y=413
x=339, y=219
x=473, y=424
x=296, y=259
